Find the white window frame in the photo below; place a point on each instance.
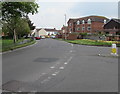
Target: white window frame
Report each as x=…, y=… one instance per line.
x=89, y=21
x=83, y=22
x=78, y=22
x=105, y=21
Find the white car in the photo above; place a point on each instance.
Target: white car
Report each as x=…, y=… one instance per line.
x=53, y=37
x=42, y=37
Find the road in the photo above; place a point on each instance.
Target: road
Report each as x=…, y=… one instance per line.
x=56, y=66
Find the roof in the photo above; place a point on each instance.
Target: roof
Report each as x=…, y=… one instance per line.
x=47, y=29
x=111, y=20
x=116, y=20
x=93, y=18
x=50, y=29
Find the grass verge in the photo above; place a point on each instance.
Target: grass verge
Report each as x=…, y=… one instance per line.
x=92, y=42
x=8, y=45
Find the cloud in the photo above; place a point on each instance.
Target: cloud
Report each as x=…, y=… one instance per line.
x=51, y=14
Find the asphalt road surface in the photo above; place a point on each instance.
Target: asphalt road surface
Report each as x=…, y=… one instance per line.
x=56, y=66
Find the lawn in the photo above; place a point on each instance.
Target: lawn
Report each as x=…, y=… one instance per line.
x=93, y=42
x=7, y=44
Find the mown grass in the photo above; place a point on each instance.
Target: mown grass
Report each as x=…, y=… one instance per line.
x=92, y=42
x=7, y=44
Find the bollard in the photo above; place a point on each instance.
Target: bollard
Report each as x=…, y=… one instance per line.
x=114, y=49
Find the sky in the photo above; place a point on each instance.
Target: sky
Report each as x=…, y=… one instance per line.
x=52, y=14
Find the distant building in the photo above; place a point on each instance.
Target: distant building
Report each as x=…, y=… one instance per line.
x=45, y=32
x=112, y=29
x=89, y=24
x=64, y=29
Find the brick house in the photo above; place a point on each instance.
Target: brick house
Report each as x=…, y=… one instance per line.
x=89, y=24
x=112, y=29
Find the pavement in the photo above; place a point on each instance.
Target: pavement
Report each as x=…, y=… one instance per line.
x=57, y=66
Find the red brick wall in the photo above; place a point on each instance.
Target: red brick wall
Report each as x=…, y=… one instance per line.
x=97, y=26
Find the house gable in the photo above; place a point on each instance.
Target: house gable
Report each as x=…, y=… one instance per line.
x=112, y=24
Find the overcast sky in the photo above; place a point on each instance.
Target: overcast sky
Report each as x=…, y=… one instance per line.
x=51, y=14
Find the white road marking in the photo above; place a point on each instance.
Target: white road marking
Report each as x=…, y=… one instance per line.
x=19, y=91
x=69, y=59
x=49, y=77
x=61, y=68
x=45, y=80
x=71, y=51
x=57, y=72
x=52, y=67
x=43, y=73
x=54, y=74
x=72, y=45
x=65, y=63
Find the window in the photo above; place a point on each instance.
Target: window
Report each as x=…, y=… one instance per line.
x=70, y=29
x=83, y=22
x=105, y=21
x=78, y=22
x=70, y=24
x=89, y=21
x=89, y=28
x=78, y=29
x=83, y=28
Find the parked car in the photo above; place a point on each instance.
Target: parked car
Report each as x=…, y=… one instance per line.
x=42, y=37
x=37, y=38
x=53, y=37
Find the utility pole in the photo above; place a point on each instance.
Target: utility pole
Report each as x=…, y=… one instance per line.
x=65, y=27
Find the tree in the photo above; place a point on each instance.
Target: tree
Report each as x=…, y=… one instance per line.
x=13, y=11
x=22, y=28
x=32, y=27
x=25, y=28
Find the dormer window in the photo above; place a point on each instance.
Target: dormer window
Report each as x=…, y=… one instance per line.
x=105, y=21
x=89, y=21
x=83, y=22
x=78, y=22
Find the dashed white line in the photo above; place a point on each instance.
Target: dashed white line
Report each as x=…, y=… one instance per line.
x=54, y=74
x=43, y=73
x=45, y=80
x=49, y=77
x=61, y=68
x=57, y=72
x=52, y=67
x=65, y=63
x=69, y=59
